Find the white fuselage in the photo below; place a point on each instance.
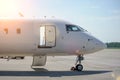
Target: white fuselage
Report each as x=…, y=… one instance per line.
x=23, y=37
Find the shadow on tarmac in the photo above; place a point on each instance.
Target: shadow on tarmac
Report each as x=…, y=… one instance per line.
x=44, y=72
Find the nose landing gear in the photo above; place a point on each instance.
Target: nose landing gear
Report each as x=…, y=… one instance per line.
x=78, y=65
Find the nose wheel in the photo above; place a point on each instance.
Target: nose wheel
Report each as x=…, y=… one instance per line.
x=78, y=65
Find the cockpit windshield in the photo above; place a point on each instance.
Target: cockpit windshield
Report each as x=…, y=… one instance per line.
x=70, y=27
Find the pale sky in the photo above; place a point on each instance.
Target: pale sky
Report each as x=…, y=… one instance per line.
x=100, y=17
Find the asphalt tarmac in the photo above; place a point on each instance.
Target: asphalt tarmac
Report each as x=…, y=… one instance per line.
x=103, y=65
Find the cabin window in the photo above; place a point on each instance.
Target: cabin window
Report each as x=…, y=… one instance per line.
x=18, y=30
x=6, y=30
x=72, y=28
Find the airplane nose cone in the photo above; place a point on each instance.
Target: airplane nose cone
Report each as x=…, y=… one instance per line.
x=100, y=45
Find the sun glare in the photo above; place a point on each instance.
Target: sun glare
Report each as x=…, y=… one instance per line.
x=8, y=8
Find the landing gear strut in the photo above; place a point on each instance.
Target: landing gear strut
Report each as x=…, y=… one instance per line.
x=78, y=65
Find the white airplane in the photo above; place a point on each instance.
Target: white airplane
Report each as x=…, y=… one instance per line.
x=42, y=38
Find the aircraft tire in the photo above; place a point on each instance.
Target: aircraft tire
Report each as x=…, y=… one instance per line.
x=79, y=67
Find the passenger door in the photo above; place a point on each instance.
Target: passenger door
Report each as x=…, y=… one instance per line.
x=47, y=36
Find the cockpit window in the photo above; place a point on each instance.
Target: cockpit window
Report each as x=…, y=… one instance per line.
x=73, y=28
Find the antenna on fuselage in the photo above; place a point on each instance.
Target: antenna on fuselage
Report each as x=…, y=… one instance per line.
x=53, y=17
x=45, y=17
x=20, y=14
